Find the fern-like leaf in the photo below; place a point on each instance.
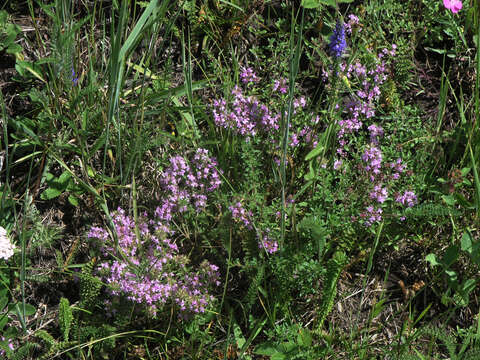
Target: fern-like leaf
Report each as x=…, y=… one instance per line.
x=334, y=268
x=253, y=288
x=89, y=285
x=24, y=352
x=65, y=317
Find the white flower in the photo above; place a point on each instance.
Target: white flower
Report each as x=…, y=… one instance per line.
x=6, y=247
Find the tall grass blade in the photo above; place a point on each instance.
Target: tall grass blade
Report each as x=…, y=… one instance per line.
x=187, y=73
x=294, y=65
x=476, y=180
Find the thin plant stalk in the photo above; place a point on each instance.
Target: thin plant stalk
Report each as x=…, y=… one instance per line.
x=294, y=65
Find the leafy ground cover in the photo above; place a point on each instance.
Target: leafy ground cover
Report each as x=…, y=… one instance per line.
x=245, y=179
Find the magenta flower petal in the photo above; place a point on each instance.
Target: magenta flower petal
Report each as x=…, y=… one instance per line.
x=453, y=5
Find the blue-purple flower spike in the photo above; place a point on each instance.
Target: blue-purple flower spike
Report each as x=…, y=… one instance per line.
x=337, y=40
x=74, y=77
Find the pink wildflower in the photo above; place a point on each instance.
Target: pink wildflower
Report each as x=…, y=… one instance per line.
x=453, y=5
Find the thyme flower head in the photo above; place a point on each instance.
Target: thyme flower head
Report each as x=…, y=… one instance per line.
x=6, y=247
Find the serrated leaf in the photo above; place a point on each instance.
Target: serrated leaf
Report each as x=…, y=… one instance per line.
x=56, y=186
x=65, y=317
x=50, y=193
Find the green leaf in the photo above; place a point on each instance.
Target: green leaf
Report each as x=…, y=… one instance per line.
x=315, y=152
x=465, y=171
x=311, y=172
x=23, y=66
x=449, y=199
x=3, y=321
x=72, y=199
x=239, y=338
x=3, y=302
x=13, y=49
x=462, y=295
x=466, y=243
x=438, y=51
x=450, y=256
x=377, y=309
x=468, y=285
x=56, y=186
x=464, y=202
x=65, y=317
x=304, y=338
x=432, y=259
x=452, y=276
x=310, y=4
x=18, y=309
x=50, y=193
x=266, y=348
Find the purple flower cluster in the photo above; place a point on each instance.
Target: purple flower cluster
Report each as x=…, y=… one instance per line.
x=372, y=156
x=363, y=108
x=408, y=198
x=398, y=166
x=280, y=86
x=371, y=215
x=149, y=270
x=379, y=194
x=337, y=40
x=239, y=214
x=248, y=75
x=306, y=134
x=187, y=183
x=352, y=21
x=375, y=133
x=357, y=111
x=267, y=243
x=337, y=164
x=247, y=114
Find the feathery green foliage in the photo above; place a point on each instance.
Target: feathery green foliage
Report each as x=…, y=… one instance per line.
x=329, y=290
x=65, y=317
